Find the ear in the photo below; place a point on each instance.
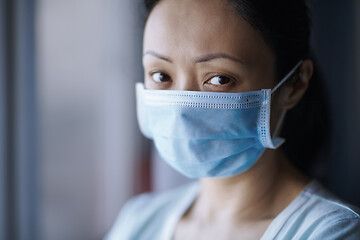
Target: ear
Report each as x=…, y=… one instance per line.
x=292, y=92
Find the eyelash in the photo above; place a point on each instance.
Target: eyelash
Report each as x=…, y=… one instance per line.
x=151, y=75
x=231, y=79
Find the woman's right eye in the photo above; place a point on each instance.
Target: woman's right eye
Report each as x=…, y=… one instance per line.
x=160, y=77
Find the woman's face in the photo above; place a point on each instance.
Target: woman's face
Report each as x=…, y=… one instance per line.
x=204, y=45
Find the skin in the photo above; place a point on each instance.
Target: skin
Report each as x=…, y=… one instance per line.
x=203, y=45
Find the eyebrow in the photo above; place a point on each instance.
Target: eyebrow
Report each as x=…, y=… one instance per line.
x=204, y=58
x=158, y=55
x=212, y=56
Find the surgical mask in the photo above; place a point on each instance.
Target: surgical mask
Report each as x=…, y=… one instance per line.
x=208, y=134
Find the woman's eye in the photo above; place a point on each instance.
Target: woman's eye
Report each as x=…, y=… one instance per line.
x=160, y=77
x=219, y=80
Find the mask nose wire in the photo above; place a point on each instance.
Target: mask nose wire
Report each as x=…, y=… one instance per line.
x=283, y=113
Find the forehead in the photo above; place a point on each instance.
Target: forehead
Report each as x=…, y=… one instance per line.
x=195, y=27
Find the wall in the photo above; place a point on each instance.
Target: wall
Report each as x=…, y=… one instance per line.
x=88, y=61
x=334, y=41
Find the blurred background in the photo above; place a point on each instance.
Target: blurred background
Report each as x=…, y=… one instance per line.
x=70, y=150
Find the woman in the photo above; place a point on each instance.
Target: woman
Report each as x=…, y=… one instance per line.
x=212, y=69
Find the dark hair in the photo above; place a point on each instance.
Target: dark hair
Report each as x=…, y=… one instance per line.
x=285, y=27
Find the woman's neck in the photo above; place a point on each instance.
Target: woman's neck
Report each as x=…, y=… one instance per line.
x=258, y=194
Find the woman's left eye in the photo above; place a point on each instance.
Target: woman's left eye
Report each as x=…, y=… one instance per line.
x=219, y=80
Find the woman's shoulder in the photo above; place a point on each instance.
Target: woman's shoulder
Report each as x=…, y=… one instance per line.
x=318, y=214
x=332, y=217
x=147, y=211
x=152, y=202
x=324, y=204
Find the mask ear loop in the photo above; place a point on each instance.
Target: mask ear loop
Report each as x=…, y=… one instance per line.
x=281, y=120
x=286, y=77
x=283, y=113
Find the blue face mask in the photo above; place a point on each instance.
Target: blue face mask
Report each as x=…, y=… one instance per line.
x=208, y=134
